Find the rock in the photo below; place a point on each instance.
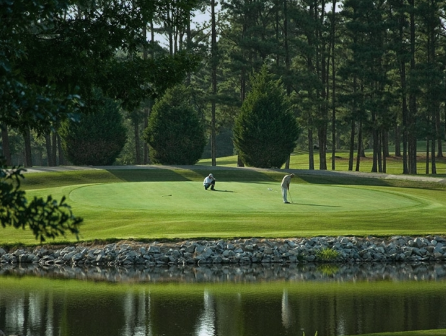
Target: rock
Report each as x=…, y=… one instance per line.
x=268, y=250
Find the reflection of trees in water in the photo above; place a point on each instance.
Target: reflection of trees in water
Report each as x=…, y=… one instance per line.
x=206, y=321
x=330, y=272
x=136, y=309
x=286, y=310
x=282, y=308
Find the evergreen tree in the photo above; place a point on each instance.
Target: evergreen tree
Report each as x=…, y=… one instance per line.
x=98, y=138
x=265, y=132
x=175, y=134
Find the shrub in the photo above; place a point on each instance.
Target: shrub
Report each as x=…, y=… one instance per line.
x=99, y=136
x=327, y=254
x=175, y=134
x=265, y=132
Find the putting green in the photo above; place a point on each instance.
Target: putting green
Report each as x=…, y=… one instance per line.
x=233, y=197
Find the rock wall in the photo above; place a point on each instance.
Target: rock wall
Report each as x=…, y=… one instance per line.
x=236, y=251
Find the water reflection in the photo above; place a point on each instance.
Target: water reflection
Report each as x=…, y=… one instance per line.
x=223, y=301
x=238, y=273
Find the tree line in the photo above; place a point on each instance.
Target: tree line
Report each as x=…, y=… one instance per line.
x=357, y=74
x=62, y=62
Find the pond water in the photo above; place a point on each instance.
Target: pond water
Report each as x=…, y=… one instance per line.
x=256, y=300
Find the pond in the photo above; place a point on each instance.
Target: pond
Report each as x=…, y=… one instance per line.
x=270, y=300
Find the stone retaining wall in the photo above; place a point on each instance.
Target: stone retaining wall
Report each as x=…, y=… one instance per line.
x=236, y=251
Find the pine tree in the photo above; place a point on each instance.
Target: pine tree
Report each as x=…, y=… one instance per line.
x=265, y=132
x=175, y=134
x=99, y=136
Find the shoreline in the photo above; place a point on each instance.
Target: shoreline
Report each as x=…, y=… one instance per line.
x=341, y=249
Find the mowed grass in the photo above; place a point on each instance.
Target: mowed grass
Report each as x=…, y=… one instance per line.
x=299, y=160
x=160, y=203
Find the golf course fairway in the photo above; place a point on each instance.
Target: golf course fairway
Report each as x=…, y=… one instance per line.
x=160, y=203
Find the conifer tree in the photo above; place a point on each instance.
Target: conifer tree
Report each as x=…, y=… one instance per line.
x=265, y=132
x=98, y=138
x=175, y=134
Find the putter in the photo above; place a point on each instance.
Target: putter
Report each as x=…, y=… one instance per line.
x=291, y=198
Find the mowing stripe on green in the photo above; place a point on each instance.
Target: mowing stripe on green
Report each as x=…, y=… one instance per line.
x=237, y=197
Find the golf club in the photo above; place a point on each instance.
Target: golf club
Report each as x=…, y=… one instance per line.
x=291, y=198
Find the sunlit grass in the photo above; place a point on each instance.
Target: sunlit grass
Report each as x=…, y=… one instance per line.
x=299, y=160
x=160, y=203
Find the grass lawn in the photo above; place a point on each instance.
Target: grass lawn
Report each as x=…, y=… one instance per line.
x=159, y=203
x=299, y=160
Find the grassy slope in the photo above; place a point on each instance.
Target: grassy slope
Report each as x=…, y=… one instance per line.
x=144, y=211
x=299, y=160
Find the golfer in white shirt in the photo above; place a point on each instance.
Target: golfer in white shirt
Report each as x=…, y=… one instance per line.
x=209, y=181
x=286, y=186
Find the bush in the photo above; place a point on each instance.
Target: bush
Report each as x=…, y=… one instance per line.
x=265, y=132
x=175, y=134
x=99, y=136
x=327, y=254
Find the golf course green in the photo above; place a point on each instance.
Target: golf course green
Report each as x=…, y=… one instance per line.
x=238, y=197
x=162, y=203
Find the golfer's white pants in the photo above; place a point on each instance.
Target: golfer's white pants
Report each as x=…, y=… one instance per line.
x=284, y=194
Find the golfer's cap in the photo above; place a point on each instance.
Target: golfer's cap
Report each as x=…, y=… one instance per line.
x=211, y=175
x=292, y=174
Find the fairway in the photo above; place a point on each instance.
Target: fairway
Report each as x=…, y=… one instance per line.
x=237, y=197
x=162, y=203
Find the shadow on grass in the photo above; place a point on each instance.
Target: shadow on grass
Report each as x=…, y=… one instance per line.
x=148, y=175
x=316, y=205
x=168, y=175
x=342, y=179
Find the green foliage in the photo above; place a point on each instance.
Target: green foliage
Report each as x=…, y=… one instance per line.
x=46, y=218
x=99, y=136
x=39, y=105
x=327, y=254
x=265, y=132
x=175, y=134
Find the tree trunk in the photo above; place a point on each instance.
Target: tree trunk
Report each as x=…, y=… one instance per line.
x=375, y=145
x=287, y=59
x=214, y=83
x=378, y=150
x=54, y=148
x=62, y=160
x=333, y=90
x=28, y=153
x=310, y=149
x=322, y=135
x=146, y=108
x=137, y=145
x=287, y=163
x=385, y=151
x=50, y=162
x=433, y=160
x=412, y=98
x=352, y=145
x=401, y=26
x=397, y=141
x=404, y=113
x=6, y=146
x=360, y=149
x=146, y=159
